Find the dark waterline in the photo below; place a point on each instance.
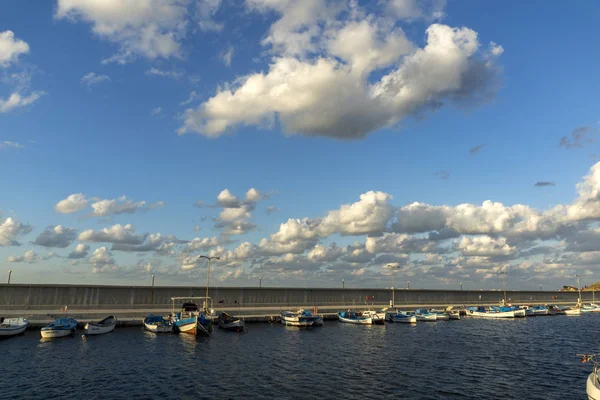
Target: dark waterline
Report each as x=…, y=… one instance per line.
x=532, y=358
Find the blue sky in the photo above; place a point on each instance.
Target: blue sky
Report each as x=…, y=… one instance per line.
x=312, y=104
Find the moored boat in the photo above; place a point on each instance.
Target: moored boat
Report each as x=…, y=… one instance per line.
x=592, y=386
x=61, y=327
x=573, y=311
x=230, y=323
x=483, y=312
x=454, y=314
x=12, y=326
x=402, y=317
x=107, y=325
x=352, y=317
x=425, y=316
x=296, y=319
x=158, y=324
x=377, y=318
x=191, y=319
x=316, y=319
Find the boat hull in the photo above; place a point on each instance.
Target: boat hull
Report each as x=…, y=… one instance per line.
x=158, y=328
x=573, y=311
x=13, y=327
x=491, y=315
x=426, y=318
x=297, y=321
x=357, y=321
x=405, y=319
x=592, y=387
x=235, y=326
x=95, y=329
x=57, y=333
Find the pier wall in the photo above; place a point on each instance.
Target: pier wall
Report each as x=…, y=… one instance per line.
x=42, y=297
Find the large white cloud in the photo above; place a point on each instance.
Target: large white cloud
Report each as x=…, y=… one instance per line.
x=485, y=246
x=73, y=203
x=10, y=229
x=149, y=28
x=11, y=48
x=30, y=256
x=320, y=79
x=16, y=100
x=81, y=251
x=102, y=261
x=56, y=236
x=124, y=234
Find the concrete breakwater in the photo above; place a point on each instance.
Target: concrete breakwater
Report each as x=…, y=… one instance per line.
x=104, y=297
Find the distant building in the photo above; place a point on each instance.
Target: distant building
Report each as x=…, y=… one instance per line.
x=568, y=288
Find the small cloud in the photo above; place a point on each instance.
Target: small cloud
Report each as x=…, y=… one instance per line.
x=443, y=174
x=227, y=56
x=6, y=145
x=157, y=110
x=200, y=204
x=579, y=138
x=271, y=209
x=197, y=228
x=476, y=149
x=193, y=96
x=91, y=78
x=544, y=184
x=165, y=74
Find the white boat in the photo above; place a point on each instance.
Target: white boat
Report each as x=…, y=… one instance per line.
x=441, y=316
x=573, y=311
x=592, y=386
x=61, y=327
x=12, y=326
x=352, y=317
x=98, y=328
x=158, y=324
x=482, y=312
x=377, y=318
x=454, y=314
x=402, y=317
x=296, y=319
x=425, y=316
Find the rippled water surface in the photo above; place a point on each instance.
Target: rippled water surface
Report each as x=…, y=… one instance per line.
x=533, y=358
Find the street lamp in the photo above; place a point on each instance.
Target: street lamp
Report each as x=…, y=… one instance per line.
x=541, y=288
x=152, y=280
x=343, y=284
x=394, y=267
x=260, y=281
x=503, y=273
x=408, y=284
x=9, y=274
x=208, y=274
x=578, y=288
x=461, y=286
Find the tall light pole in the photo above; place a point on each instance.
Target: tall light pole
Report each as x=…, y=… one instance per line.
x=152, y=291
x=343, y=283
x=208, y=274
x=394, y=267
x=260, y=281
x=461, y=286
x=9, y=274
x=541, y=288
x=408, y=284
x=578, y=288
x=503, y=273
x=152, y=281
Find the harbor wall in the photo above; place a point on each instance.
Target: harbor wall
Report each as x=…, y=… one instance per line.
x=42, y=296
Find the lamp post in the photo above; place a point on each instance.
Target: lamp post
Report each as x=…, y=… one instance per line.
x=408, y=284
x=578, y=288
x=394, y=267
x=260, y=281
x=153, y=281
x=208, y=275
x=461, y=286
x=541, y=288
x=152, y=292
x=9, y=274
x=503, y=273
x=343, y=283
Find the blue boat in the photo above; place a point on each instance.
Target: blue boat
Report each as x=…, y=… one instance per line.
x=352, y=317
x=158, y=324
x=402, y=317
x=191, y=319
x=61, y=327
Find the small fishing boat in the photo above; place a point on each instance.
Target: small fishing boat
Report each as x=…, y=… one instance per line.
x=230, y=323
x=98, y=328
x=296, y=319
x=489, y=312
x=573, y=311
x=425, y=316
x=158, y=324
x=12, y=326
x=517, y=311
x=61, y=327
x=378, y=318
x=402, y=317
x=440, y=315
x=556, y=310
x=588, y=308
x=537, y=311
x=592, y=387
x=191, y=319
x=454, y=314
x=352, y=317
x=317, y=319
